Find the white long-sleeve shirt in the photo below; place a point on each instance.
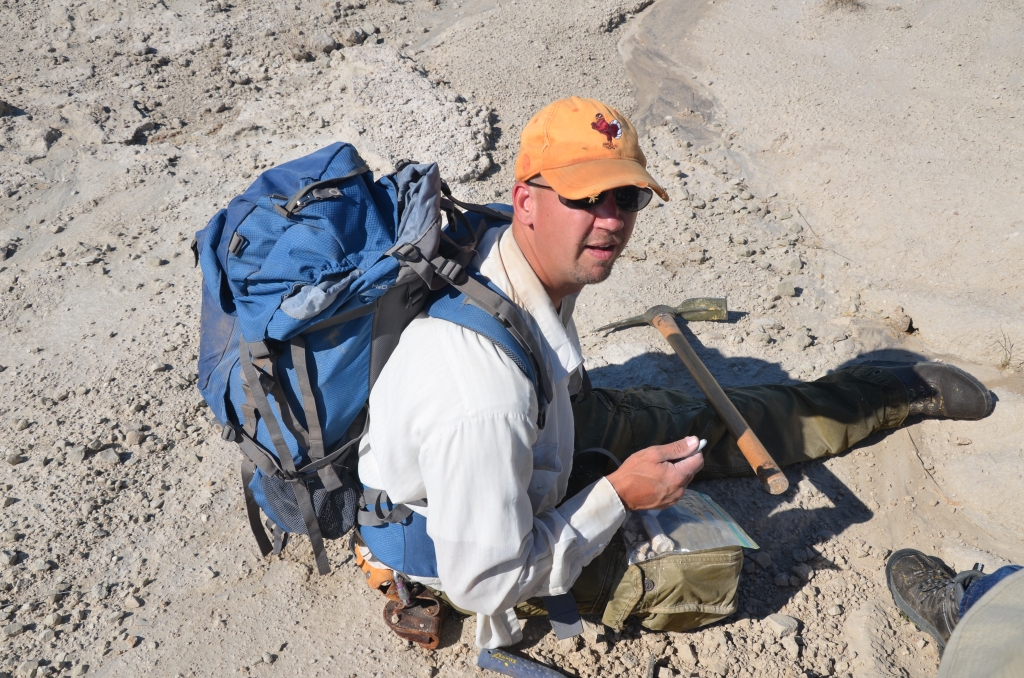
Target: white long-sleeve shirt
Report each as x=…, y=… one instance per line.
x=454, y=420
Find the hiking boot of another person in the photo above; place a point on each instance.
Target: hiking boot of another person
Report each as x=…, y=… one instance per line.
x=927, y=591
x=938, y=390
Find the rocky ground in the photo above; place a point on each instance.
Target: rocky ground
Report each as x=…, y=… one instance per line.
x=124, y=127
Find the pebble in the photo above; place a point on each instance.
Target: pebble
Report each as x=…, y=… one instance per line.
x=834, y=611
x=138, y=49
x=762, y=559
x=110, y=456
x=81, y=390
x=785, y=289
x=746, y=195
x=698, y=203
x=157, y=262
x=77, y=454
x=799, y=342
x=782, y=625
x=687, y=653
x=629, y=661
x=53, y=619
x=781, y=579
x=12, y=630
x=15, y=459
x=8, y=558
x=768, y=323
x=159, y=367
x=115, y=617
x=785, y=215
x=80, y=670
x=745, y=251
x=791, y=646
x=9, y=501
x=21, y=424
x=40, y=565
x=134, y=438
x=792, y=263
x=268, y=658
x=803, y=571
x=47, y=636
x=324, y=43
x=133, y=602
x=132, y=641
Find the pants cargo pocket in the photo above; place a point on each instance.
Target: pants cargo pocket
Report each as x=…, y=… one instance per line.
x=678, y=592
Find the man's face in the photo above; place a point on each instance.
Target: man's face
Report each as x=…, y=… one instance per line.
x=569, y=248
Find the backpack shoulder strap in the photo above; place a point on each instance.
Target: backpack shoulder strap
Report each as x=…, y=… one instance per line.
x=478, y=305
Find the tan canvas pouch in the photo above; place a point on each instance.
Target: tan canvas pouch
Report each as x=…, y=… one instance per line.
x=678, y=592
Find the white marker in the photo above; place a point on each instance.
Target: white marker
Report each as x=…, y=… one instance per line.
x=700, y=447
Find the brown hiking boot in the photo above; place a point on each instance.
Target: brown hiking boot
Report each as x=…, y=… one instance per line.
x=927, y=591
x=938, y=390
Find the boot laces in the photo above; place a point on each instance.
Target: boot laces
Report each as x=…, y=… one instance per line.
x=933, y=581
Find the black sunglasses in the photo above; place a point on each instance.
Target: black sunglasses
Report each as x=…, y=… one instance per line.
x=627, y=198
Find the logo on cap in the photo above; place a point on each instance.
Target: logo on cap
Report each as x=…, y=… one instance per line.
x=612, y=130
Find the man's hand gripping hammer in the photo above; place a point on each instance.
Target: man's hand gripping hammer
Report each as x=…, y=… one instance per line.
x=663, y=318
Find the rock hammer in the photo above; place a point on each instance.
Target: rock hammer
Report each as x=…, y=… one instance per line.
x=663, y=318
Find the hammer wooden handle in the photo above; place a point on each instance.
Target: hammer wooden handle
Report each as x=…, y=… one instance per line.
x=764, y=466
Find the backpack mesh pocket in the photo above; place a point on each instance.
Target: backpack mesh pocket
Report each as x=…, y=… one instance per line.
x=335, y=511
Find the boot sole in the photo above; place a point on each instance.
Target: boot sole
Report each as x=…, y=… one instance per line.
x=902, y=604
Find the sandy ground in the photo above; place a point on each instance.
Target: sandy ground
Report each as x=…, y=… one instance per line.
x=828, y=167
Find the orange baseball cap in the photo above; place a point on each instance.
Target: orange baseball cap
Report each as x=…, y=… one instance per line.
x=582, y=147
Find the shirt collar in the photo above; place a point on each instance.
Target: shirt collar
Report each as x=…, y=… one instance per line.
x=504, y=263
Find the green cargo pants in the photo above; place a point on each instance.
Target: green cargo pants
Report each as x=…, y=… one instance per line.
x=795, y=423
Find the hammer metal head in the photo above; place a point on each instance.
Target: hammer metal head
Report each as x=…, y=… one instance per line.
x=691, y=310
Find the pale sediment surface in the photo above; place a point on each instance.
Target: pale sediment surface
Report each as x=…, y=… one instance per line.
x=127, y=127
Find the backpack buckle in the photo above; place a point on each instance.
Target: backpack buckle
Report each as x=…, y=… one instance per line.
x=407, y=253
x=451, y=272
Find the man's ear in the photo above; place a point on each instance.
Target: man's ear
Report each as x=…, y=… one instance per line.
x=523, y=204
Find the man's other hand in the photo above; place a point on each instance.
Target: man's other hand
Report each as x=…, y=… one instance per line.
x=656, y=477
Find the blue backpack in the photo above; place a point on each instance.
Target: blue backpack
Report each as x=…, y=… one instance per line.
x=310, y=276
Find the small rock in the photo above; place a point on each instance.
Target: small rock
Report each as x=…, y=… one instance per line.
x=762, y=559
x=110, y=456
x=834, y=611
x=96, y=444
x=15, y=459
x=82, y=390
x=299, y=54
x=138, y=49
x=159, y=367
x=353, y=36
x=268, y=658
x=785, y=215
x=40, y=565
x=5, y=108
x=132, y=641
x=782, y=625
x=792, y=263
x=209, y=573
x=157, y=262
x=799, y=342
x=77, y=454
x=80, y=670
x=133, y=602
x=324, y=43
x=900, y=321
x=687, y=653
x=921, y=643
x=744, y=251
x=134, y=438
x=21, y=424
x=781, y=579
x=53, y=619
x=9, y=501
x=100, y=533
x=800, y=555
x=12, y=630
x=791, y=646
x=963, y=441
x=115, y=617
x=785, y=289
x=629, y=661
x=61, y=396
x=804, y=571
x=8, y=558
x=47, y=636
x=746, y=195
x=255, y=659
x=698, y=203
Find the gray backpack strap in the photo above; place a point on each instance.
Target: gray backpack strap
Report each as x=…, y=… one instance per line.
x=252, y=509
x=489, y=301
x=303, y=496
x=379, y=509
x=315, y=447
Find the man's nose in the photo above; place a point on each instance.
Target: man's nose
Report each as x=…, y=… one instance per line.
x=608, y=213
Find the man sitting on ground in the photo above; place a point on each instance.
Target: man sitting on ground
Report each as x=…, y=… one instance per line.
x=510, y=516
